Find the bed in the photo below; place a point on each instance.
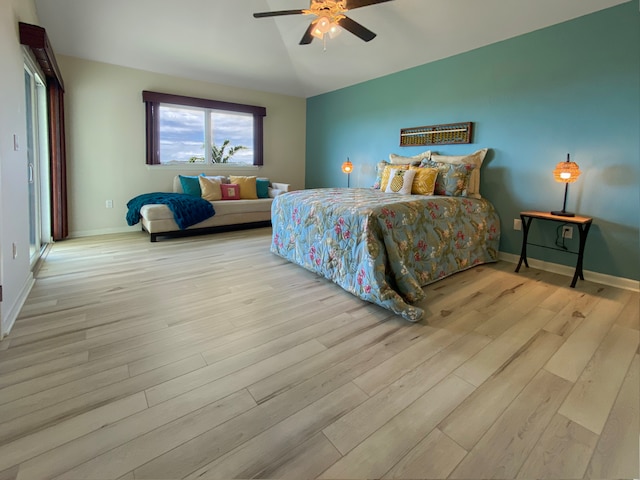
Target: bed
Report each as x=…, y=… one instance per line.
x=384, y=247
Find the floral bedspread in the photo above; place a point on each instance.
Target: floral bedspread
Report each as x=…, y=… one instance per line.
x=384, y=247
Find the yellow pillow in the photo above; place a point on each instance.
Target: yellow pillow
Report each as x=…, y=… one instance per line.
x=384, y=180
x=424, y=183
x=247, y=186
x=210, y=189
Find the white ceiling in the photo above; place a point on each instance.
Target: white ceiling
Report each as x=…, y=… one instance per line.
x=219, y=41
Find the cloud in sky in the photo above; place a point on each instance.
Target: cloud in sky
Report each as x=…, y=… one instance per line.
x=182, y=134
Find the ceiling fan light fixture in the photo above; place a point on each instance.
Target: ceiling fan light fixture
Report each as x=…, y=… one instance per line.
x=330, y=19
x=321, y=26
x=334, y=30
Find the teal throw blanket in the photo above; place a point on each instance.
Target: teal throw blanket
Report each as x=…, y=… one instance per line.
x=187, y=209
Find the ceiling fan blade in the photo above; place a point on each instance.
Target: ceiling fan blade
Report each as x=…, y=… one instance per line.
x=278, y=13
x=351, y=4
x=307, y=37
x=357, y=29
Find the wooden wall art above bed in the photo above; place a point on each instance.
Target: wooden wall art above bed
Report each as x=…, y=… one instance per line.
x=445, y=134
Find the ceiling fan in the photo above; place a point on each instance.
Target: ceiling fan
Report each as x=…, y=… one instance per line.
x=330, y=14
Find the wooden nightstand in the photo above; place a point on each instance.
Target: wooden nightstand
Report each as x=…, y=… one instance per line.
x=583, y=224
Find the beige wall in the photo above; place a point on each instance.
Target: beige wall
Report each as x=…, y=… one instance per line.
x=106, y=139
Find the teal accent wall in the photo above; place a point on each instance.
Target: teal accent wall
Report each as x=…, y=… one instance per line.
x=570, y=88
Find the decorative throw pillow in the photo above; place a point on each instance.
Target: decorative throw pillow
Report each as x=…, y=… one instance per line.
x=210, y=188
x=230, y=191
x=218, y=178
x=415, y=160
x=387, y=172
x=191, y=185
x=452, y=180
x=400, y=181
x=380, y=166
x=475, y=159
x=262, y=187
x=274, y=192
x=247, y=186
x=424, y=183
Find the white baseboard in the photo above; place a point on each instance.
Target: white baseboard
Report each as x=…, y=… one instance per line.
x=9, y=317
x=103, y=231
x=618, y=282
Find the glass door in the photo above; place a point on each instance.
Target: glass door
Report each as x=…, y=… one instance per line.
x=37, y=165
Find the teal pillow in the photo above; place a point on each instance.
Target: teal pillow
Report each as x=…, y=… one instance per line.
x=262, y=187
x=191, y=185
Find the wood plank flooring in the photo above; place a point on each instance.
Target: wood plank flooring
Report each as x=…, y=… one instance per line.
x=209, y=357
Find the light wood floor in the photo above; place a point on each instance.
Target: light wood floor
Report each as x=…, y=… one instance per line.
x=209, y=357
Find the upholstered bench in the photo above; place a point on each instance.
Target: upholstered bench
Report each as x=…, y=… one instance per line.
x=158, y=220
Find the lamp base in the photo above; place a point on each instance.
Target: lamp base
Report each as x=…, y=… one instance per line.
x=563, y=214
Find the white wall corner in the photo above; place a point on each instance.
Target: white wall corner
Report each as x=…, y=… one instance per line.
x=10, y=315
x=610, y=280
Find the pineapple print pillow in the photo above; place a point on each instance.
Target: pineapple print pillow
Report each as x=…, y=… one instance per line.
x=386, y=174
x=400, y=181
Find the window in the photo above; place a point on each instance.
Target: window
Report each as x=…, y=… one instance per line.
x=183, y=130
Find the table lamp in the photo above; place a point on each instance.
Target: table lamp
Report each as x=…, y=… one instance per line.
x=566, y=172
x=347, y=167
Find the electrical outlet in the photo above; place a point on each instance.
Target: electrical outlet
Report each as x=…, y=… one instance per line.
x=109, y=204
x=517, y=224
x=567, y=231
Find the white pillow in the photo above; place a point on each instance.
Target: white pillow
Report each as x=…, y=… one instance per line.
x=218, y=178
x=400, y=181
x=475, y=159
x=274, y=192
x=415, y=160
